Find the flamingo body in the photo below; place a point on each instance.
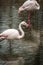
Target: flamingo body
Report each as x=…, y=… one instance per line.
x=10, y=34
x=13, y=33
x=29, y=5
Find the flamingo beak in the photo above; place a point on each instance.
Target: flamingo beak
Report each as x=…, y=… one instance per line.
x=18, y=11
x=27, y=25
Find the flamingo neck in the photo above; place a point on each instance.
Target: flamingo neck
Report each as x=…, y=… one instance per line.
x=22, y=32
x=28, y=19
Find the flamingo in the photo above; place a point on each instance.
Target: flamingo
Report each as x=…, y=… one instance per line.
x=29, y=5
x=11, y=34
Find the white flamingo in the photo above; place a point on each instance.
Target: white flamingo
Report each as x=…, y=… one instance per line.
x=29, y=5
x=13, y=33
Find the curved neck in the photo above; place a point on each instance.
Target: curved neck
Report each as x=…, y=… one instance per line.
x=21, y=30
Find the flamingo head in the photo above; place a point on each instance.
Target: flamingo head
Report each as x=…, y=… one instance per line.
x=24, y=23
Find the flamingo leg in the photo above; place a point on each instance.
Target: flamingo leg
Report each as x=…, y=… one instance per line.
x=28, y=19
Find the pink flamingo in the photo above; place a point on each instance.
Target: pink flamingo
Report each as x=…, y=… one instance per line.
x=29, y=5
x=13, y=33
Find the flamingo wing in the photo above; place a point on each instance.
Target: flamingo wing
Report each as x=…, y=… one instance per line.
x=30, y=5
x=10, y=34
x=27, y=3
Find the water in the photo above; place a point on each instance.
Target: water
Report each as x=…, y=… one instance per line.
x=26, y=47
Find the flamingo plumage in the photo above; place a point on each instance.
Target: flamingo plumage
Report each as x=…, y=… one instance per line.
x=13, y=33
x=29, y=5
